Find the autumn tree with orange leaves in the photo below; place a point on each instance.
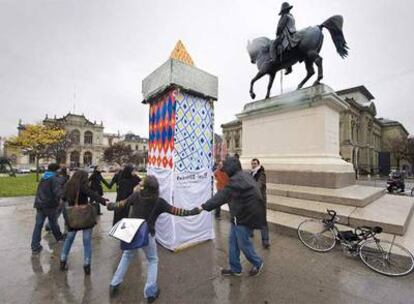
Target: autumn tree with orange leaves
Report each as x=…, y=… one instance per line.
x=37, y=141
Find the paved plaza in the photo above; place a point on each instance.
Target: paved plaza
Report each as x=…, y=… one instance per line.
x=292, y=273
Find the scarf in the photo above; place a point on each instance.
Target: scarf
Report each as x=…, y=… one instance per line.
x=255, y=170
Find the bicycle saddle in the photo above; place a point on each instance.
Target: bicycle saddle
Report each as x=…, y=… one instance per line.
x=377, y=229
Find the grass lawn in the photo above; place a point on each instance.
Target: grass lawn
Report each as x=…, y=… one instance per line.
x=23, y=185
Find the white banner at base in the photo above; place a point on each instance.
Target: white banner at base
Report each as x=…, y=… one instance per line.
x=183, y=190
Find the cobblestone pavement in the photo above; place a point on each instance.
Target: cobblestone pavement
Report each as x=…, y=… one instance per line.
x=292, y=273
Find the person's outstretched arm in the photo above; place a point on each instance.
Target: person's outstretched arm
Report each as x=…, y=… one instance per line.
x=123, y=203
x=93, y=195
x=220, y=198
x=114, y=180
x=101, y=178
x=163, y=206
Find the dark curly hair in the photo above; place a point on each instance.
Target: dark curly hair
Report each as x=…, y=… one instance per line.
x=150, y=188
x=78, y=180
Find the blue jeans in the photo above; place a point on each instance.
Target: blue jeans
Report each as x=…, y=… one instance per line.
x=87, y=246
x=58, y=213
x=265, y=234
x=239, y=240
x=41, y=216
x=150, y=251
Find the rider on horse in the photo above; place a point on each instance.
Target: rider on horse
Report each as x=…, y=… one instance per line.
x=285, y=32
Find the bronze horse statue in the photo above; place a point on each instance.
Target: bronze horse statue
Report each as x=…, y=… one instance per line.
x=307, y=50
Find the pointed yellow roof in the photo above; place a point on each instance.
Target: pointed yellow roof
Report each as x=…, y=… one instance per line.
x=180, y=53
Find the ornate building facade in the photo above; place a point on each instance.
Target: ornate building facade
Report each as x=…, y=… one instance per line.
x=365, y=140
x=88, y=142
x=86, y=136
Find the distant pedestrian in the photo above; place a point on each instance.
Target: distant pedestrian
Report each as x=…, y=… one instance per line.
x=63, y=177
x=96, y=180
x=146, y=204
x=77, y=191
x=127, y=181
x=246, y=213
x=48, y=195
x=259, y=175
x=221, y=181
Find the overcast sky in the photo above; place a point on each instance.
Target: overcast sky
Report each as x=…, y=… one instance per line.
x=93, y=54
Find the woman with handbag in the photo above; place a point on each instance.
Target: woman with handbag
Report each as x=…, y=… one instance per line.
x=146, y=204
x=79, y=215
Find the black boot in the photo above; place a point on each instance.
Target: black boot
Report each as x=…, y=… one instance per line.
x=288, y=70
x=63, y=266
x=153, y=298
x=113, y=290
x=87, y=269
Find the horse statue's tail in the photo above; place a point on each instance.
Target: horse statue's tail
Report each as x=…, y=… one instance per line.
x=334, y=26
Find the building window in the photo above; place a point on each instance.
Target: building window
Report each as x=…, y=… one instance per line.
x=88, y=138
x=74, y=159
x=13, y=158
x=87, y=158
x=75, y=136
x=32, y=158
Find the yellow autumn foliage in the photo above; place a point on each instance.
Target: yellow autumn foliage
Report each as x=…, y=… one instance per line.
x=36, y=138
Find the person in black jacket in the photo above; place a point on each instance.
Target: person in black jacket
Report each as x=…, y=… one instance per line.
x=96, y=179
x=127, y=181
x=63, y=176
x=77, y=191
x=259, y=175
x=48, y=195
x=146, y=204
x=246, y=213
x=115, y=179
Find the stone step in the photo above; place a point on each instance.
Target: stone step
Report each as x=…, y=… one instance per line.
x=281, y=222
x=308, y=208
x=355, y=195
x=391, y=212
x=286, y=223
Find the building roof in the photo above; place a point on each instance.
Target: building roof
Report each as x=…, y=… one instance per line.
x=392, y=123
x=131, y=137
x=362, y=89
x=231, y=123
x=68, y=117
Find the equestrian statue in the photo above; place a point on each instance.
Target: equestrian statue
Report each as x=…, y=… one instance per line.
x=291, y=46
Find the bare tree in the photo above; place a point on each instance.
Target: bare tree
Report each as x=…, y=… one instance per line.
x=409, y=151
x=118, y=153
x=398, y=148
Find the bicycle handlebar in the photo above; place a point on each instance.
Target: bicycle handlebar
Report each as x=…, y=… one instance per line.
x=332, y=214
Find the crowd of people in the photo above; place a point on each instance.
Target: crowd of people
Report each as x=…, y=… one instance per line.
x=244, y=192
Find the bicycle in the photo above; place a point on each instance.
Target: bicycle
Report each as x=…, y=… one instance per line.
x=385, y=257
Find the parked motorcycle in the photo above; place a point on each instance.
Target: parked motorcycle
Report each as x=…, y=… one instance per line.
x=396, y=182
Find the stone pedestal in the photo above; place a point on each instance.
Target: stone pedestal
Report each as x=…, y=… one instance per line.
x=296, y=138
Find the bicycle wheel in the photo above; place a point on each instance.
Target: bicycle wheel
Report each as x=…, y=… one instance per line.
x=315, y=235
x=387, y=258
